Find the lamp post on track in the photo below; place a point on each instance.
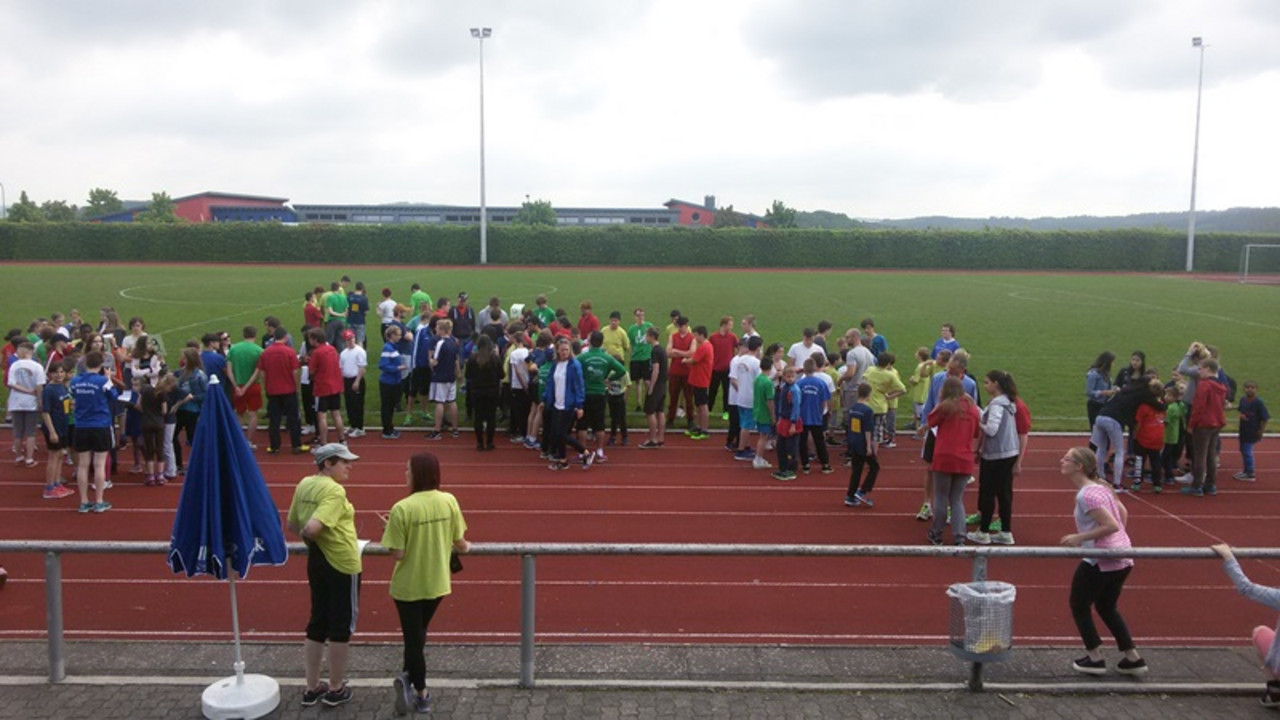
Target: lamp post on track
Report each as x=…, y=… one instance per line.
x=480, y=34
x=1196, y=42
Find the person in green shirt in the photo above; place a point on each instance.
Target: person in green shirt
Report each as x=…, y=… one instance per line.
x=422, y=531
x=641, y=352
x=335, y=315
x=323, y=517
x=418, y=299
x=545, y=314
x=242, y=361
x=598, y=368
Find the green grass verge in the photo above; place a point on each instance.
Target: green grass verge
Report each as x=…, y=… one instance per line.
x=1044, y=328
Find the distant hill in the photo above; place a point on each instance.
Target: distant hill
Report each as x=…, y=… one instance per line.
x=1234, y=220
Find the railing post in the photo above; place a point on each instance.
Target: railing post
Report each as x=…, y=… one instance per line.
x=528, y=584
x=979, y=568
x=53, y=615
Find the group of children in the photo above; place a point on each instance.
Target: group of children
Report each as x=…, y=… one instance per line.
x=1174, y=426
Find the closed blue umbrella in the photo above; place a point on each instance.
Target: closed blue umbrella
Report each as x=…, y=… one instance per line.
x=226, y=518
x=226, y=523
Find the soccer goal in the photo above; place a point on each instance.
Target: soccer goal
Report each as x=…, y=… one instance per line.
x=1260, y=263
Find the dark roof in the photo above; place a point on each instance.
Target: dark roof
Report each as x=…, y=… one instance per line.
x=232, y=196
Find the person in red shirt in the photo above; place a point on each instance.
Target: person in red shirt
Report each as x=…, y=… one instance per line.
x=725, y=345
x=326, y=385
x=312, y=315
x=954, y=448
x=279, y=368
x=700, y=364
x=588, y=322
x=1205, y=423
x=1148, y=433
x=679, y=347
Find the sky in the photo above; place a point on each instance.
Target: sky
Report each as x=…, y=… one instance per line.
x=871, y=108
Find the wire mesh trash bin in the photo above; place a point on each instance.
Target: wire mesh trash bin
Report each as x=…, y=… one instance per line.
x=981, y=624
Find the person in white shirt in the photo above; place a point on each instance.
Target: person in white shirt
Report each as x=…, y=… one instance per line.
x=353, y=362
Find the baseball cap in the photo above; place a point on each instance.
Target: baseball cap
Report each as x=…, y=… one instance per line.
x=348, y=334
x=333, y=450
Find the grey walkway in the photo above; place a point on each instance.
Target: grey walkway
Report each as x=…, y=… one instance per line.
x=164, y=680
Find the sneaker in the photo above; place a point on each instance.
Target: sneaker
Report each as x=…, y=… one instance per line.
x=586, y=460
x=1136, y=486
x=308, y=430
x=1132, y=667
x=1210, y=489
x=1244, y=476
x=101, y=507
x=863, y=500
x=745, y=455
x=408, y=419
x=358, y=433
x=341, y=696
x=1157, y=489
x=393, y=435
x=454, y=434
x=1002, y=538
x=1090, y=667
x=311, y=697
x=1184, y=479
x=273, y=451
x=531, y=444
x=649, y=445
x=698, y=435
x=979, y=537
x=724, y=416
x=926, y=513
x=806, y=469
x=108, y=484
x=404, y=693
x=827, y=469
x=851, y=500
x=1271, y=698
x=515, y=439
x=57, y=492
x=434, y=435
x=422, y=704
x=303, y=448
x=760, y=464
x=783, y=476
x=85, y=507
x=600, y=456
x=973, y=519
x=1192, y=491
x=891, y=444
x=934, y=539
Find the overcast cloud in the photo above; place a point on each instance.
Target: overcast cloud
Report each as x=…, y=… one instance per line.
x=886, y=108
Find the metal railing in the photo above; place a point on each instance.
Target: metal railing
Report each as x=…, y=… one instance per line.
x=528, y=552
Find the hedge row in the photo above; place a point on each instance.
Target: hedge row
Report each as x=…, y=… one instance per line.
x=1130, y=250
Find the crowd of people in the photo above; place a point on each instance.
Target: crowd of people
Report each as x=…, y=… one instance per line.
x=563, y=387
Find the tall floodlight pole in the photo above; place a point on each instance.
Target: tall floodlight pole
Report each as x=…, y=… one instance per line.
x=1196, y=42
x=480, y=34
x=4, y=207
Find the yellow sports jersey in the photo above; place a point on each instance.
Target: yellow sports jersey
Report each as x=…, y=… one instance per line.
x=322, y=498
x=424, y=525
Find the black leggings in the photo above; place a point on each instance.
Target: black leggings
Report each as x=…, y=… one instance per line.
x=389, y=394
x=814, y=433
x=415, y=617
x=1092, y=588
x=995, y=483
x=484, y=405
x=560, y=433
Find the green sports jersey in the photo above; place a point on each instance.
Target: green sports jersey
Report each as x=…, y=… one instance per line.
x=641, y=350
x=337, y=304
x=599, y=366
x=243, y=359
x=762, y=399
x=545, y=315
x=416, y=300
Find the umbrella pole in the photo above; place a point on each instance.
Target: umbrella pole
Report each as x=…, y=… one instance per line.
x=235, y=628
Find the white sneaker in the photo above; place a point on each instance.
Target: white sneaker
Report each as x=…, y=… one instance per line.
x=308, y=430
x=1002, y=538
x=760, y=464
x=979, y=537
x=600, y=456
x=1183, y=479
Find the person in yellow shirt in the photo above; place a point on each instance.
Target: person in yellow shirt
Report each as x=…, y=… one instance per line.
x=616, y=341
x=422, y=532
x=885, y=386
x=325, y=520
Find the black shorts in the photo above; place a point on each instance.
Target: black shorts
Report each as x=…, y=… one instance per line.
x=640, y=370
x=593, y=413
x=701, y=396
x=328, y=403
x=64, y=439
x=93, y=440
x=420, y=381
x=656, y=401
x=335, y=600
x=926, y=453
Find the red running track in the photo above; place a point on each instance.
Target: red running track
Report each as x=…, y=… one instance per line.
x=686, y=492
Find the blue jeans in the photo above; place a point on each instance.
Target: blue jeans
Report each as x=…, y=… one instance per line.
x=1108, y=435
x=1246, y=454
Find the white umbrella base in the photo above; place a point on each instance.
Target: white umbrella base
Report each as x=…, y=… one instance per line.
x=231, y=698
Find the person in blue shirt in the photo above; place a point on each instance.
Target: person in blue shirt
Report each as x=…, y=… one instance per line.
x=445, y=359
x=1253, y=423
x=93, y=395
x=564, y=394
x=55, y=406
x=946, y=340
x=787, y=411
x=357, y=313
x=392, y=365
x=814, y=396
x=859, y=421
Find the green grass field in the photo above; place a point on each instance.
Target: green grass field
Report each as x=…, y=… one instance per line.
x=1045, y=329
